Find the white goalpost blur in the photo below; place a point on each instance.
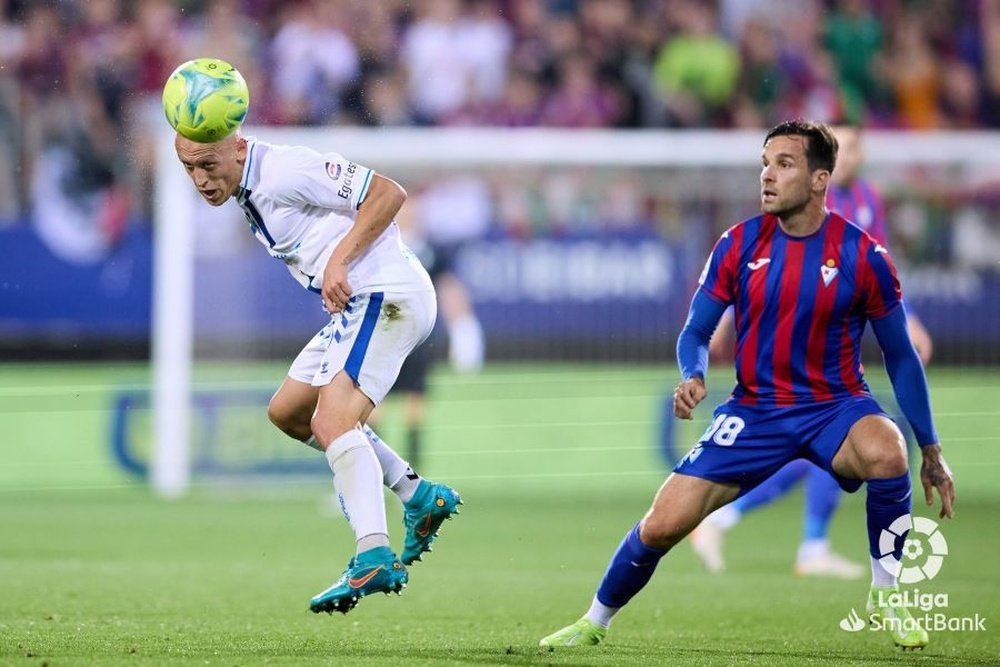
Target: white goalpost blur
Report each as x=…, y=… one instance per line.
x=385, y=148
x=172, y=326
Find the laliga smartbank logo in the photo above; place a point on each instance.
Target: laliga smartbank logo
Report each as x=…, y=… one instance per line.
x=924, y=549
x=923, y=552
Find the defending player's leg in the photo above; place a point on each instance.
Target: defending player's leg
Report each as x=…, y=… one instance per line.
x=886, y=612
x=874, y=450
x=707, y=539
x=815, y=557
x=680, y=504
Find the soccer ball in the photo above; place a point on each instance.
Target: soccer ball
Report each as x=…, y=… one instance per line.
x=205, y=99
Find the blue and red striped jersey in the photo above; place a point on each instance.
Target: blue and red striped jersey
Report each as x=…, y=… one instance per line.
x=800, y=305
x=860, y=203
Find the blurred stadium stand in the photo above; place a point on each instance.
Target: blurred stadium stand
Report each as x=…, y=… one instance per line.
x=79, y=110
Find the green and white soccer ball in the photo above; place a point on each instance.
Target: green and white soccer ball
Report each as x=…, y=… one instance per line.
x=205, y=99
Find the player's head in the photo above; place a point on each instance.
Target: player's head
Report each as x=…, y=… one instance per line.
x=216, y=169
x=797, y=161
x=850, y=153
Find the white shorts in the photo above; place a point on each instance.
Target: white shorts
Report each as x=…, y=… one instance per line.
x=369, y=341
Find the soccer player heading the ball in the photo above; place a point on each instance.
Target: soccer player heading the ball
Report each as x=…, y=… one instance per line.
x=330, y=221
x=804, y=282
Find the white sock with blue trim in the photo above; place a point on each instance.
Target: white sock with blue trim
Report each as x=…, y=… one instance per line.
x=396, y=472
x=357, y=477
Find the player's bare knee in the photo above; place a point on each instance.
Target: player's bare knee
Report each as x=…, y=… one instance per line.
x=885, y=457
x=890, y=461
x=278, y=417
x=288, y=423
x=661, y=533
x=328, y=428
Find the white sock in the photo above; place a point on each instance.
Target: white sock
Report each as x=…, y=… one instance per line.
x=600, y=614
x=396, y=472
x=881, y=577
x=371, y=541
x=725, y=517
x=466, y=346
x=357, y=478
x=813, y=549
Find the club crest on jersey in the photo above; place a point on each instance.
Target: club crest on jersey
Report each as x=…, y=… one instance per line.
x=333, y=170
x=828, y=271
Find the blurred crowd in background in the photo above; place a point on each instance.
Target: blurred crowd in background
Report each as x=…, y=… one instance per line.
x=80, y=80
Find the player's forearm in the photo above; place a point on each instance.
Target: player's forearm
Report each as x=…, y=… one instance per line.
x=906, y=373
x=693, y=341
x=381, y=204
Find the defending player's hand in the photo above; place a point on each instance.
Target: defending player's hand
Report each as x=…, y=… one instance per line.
x=336, y=290
x=935, y=474
x=687, y=396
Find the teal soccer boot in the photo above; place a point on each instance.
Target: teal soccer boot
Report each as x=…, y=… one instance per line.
x=423, y=515
x=374, y=571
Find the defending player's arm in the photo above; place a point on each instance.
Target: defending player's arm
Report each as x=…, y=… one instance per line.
x=375, y=212
x=692, y=352
x=713, y=296
x=906, y=373
x=910, y=386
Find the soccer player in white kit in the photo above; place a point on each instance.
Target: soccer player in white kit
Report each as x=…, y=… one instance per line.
x=330, y=221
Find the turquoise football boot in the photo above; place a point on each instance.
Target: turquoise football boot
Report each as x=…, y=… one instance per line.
x=423, y=515
x=374, y=571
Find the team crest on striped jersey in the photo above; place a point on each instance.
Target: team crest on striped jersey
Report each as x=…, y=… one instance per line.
x=829, y=271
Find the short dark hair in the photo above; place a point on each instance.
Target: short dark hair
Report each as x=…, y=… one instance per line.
x=821, y=145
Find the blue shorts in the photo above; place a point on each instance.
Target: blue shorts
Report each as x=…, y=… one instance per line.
x=746, y=444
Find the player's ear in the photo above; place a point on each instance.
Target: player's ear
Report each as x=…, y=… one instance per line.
x=241, y=148
x=820, y=179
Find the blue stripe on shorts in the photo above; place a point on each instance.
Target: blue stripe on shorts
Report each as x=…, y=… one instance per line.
x=360, y=348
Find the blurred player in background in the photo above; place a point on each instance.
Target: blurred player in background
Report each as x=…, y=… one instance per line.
x=804, y=283
x=411, y=385
x=330, y=221
x=858, y=201
x=435, y=224
x=450, y=213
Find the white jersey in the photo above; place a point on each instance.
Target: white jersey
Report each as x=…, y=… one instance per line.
x=301, y=203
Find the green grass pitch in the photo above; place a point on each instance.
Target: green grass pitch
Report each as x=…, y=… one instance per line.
x=555, y=463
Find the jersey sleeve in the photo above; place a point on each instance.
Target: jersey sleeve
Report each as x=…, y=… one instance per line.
x=718, y=278
x=879, y=282
x=328, y=180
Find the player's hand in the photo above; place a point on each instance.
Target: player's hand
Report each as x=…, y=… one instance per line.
x=336, y=290
x=687, y=396
x=934, y=474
